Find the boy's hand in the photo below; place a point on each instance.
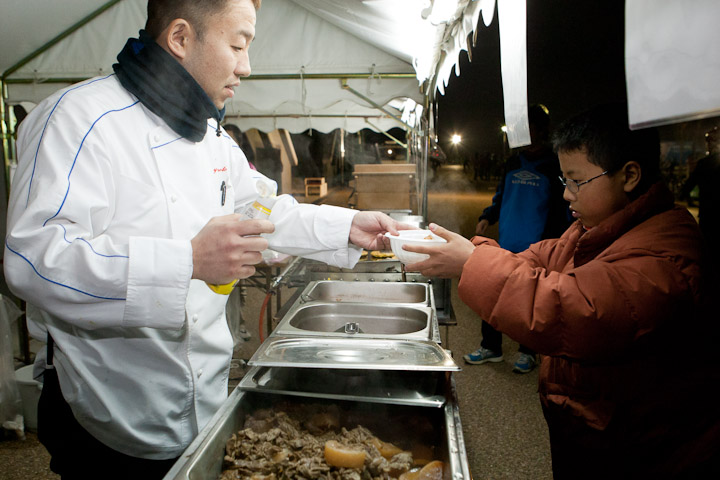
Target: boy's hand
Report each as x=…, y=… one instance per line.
x=446, y=260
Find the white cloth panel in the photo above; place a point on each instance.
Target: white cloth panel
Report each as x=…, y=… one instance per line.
x=512, y=16
x=294, y=36
x=672, y=60
x=290, y=37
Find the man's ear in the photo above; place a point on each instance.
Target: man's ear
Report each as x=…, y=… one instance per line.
x=177, y=37
x=633, y=173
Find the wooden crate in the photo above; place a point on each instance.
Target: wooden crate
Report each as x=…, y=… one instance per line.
x=385, y=186
x=315, y=187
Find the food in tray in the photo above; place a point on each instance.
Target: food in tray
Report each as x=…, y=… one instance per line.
x=364, y=254
x=289, y=442
x=382, y=254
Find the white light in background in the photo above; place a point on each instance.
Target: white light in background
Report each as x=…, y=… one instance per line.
x=442, y=11
x=456, y=139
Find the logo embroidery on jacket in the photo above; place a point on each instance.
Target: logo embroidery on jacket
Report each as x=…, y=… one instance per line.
x=523, y=177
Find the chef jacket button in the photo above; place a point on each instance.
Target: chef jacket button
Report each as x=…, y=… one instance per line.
x=156, y=138
x=200, y=372
x=195, y=318
x=173, y=198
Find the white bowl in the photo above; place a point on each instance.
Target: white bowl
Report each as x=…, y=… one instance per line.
x=412, y=237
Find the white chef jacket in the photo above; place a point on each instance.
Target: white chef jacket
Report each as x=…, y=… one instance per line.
x=104, y=203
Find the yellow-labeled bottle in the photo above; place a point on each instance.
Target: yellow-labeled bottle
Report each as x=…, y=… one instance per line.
x=260, y=208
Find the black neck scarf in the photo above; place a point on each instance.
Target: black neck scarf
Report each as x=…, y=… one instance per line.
x=164, y=86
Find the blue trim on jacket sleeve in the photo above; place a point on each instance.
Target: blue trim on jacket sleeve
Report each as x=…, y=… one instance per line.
x=58, y=283
x=165, y=144
x=42, y=134
x=35, y=160
x=77, y=154
x=89, y=244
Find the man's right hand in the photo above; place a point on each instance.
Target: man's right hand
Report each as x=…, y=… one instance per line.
x=481, y=227
x=227, y=248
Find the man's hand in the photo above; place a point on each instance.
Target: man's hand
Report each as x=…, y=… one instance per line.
x=447, y=259
x=368, y=230
x=481, y=227
x=227, y=248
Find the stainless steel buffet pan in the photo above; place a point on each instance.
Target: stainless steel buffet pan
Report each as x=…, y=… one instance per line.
x=203, y=459
x=423, y=389
x=382, y=272
x=357, y=320
x=353, y=354
x=362, y=309
x=367, y=292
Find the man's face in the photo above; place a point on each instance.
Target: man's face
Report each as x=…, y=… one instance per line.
x=218, y=60
x=597, y=200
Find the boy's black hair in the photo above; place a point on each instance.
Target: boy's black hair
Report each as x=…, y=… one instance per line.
x=603, y=134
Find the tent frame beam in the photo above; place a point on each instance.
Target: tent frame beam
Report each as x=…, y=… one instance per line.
x=281, y=76
x=51, y=43
x=345, y=86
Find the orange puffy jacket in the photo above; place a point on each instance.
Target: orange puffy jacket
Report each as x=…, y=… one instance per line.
x=608, y=309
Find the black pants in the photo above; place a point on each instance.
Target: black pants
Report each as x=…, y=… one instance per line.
x=492, y=340
x=77, y=455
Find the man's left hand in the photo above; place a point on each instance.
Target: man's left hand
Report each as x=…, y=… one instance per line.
x=368, y=230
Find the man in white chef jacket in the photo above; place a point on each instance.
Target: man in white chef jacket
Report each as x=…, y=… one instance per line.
x=121, y=213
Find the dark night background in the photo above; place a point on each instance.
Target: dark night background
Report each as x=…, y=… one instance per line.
x=575, y=55
x=575, y=60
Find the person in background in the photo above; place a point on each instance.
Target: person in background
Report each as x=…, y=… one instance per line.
x=529, y=207
x=242, y=142
x=607, y=306
x=706, y=176
x=123, y=210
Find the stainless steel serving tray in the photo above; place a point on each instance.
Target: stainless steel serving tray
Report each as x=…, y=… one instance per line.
x=367, y=292
x=203, y=459
x=353, y=354
x=425, y=389
x=376, y=320
x=362, y=309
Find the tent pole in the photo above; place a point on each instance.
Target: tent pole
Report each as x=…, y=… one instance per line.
x=345, y=86
x=326, y=76
x=404, y=145
x=59, y=37
x=5, y=131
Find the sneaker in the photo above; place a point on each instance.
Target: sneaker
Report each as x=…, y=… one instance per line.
x=525, y=363
x=482, y=355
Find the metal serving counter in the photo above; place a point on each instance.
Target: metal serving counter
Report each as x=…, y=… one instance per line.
x=360, y=346
x=381, y=271
x=203, y=459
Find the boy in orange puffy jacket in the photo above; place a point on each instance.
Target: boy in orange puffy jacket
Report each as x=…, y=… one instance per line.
x=609, y=306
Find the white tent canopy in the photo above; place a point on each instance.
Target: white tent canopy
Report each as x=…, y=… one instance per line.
x=320, y=64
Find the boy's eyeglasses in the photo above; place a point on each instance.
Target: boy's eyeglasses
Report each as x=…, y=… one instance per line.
x=574, y=186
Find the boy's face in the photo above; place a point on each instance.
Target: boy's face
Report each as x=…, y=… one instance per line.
x=598, y=199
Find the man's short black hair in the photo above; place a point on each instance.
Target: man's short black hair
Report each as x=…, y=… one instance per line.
x=603, y=134
x=161, y=12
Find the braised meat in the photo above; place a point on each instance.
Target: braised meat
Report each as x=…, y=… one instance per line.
x=274, y=445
